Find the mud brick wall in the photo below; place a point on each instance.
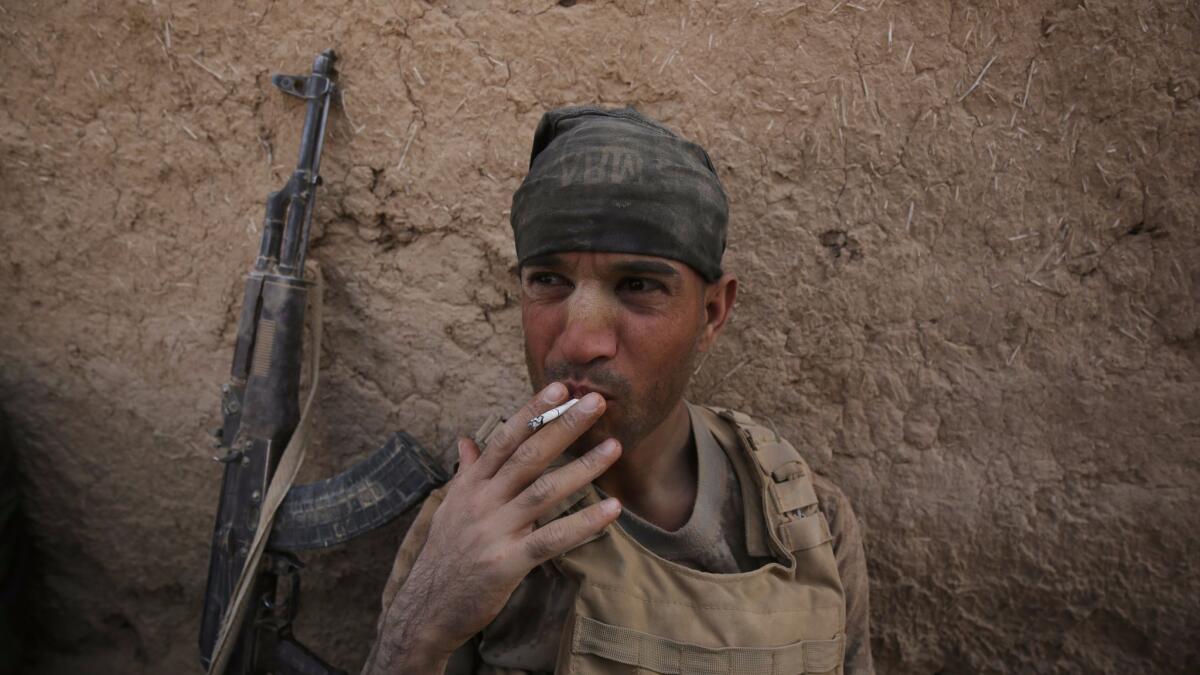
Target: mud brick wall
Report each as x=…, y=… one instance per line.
x=967, y=235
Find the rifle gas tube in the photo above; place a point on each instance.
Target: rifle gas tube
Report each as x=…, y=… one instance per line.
x=252, y=593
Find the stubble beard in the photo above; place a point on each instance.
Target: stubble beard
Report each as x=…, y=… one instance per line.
x=633, y=414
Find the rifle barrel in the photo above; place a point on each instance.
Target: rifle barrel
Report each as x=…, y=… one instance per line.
x=318, y=90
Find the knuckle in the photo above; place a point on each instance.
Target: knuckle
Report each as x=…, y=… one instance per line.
x=574, y=421
x=498, y=439
x=543, y=546
x=590, y=463
x=522, y=458
x=541, y=490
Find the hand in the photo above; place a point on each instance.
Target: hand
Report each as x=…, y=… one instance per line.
x=483, y=541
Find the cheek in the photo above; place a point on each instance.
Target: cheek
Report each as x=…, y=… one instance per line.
x=540, y=324
x=658, y=341
x=657, y=357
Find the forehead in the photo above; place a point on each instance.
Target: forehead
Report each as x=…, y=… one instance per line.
x=607, y=263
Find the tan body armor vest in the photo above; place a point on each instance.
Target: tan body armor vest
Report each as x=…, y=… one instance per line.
x=636, y=613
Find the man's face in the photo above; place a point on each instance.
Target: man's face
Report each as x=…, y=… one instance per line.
x=626, y=326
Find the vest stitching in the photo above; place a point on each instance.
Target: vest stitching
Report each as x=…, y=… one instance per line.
x=726, y=609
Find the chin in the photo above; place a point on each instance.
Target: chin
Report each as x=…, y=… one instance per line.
x=610, y=425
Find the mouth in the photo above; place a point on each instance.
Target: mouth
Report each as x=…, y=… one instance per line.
x=579, y=390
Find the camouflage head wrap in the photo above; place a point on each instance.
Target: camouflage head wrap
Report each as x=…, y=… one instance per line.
x=613, y=180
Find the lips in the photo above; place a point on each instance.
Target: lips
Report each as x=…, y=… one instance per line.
x=579, y=390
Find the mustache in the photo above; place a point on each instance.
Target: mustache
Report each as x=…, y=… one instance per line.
x=599, y=376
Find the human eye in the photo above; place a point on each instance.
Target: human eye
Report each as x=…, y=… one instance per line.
x=639, y=285
x=545, y=283
x=544, y=278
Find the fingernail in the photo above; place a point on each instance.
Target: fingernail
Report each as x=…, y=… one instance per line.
x=607, y=448
x=610, y=506
x=555, y=392
x=591, y=402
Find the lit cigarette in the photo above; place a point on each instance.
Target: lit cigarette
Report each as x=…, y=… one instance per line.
x=551, y=415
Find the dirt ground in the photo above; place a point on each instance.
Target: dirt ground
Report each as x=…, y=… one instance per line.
x=966, y=231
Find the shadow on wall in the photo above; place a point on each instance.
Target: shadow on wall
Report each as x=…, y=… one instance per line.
x=33, y=638
x=15, y=558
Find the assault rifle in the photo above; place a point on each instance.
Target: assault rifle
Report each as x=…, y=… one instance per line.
x=253, y=588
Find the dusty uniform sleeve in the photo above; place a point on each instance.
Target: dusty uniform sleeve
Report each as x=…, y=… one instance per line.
x=852, y=566
x=414, y=541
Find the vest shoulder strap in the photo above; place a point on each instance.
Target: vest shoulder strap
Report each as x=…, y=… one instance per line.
x=791, y=501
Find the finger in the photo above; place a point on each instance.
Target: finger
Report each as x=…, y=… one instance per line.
x=515, y=430
x=554, y=486
x=562, y=535
x=533, y=456
x=468, y=453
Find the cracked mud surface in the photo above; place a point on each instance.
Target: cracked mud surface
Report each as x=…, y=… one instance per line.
x=967, y=234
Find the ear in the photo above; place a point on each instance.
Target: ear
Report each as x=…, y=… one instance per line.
x=719, y=297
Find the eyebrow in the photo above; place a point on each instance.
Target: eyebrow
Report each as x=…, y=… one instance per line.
x=629, y=267
x=545, y=260
x=648, y=267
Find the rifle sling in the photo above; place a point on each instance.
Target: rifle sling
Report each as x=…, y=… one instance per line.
x=281, y=482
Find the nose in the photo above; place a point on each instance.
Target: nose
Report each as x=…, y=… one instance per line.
x=591, y=331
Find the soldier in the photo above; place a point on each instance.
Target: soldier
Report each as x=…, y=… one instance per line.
x=638, y=532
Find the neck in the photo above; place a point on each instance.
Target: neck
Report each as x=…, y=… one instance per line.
x=656, y=479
